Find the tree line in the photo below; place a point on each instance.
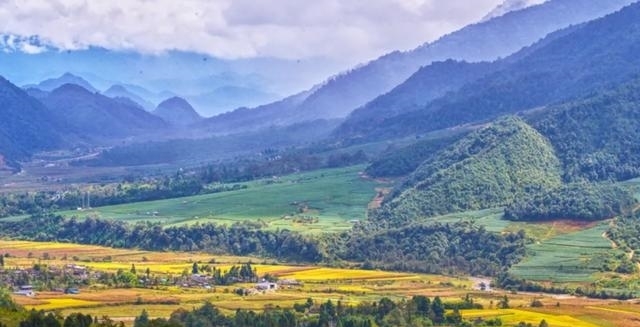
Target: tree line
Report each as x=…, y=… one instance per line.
x=237, y=239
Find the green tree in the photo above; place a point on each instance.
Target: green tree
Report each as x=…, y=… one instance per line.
x=543, y=323
x=504, y=303
x=437, y=310
x=133, y=269
x=78, y=320
x=142, y=320
x=6, y=302
x=195, y=270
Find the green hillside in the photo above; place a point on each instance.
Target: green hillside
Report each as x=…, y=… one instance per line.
x=596, y=139
x=489, y=168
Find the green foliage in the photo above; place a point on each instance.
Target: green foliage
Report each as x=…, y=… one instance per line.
x=416, y=312
x=581, y=201
x=142, y=320
x=78, y=320
x=238, y=239
x=625, y=231
x=436, y=248
x=403, y=161
x=488, y=168
x=6, y=302
x=596, y=138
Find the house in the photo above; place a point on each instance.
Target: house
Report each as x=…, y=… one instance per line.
x=25, y=290
x=266, y=286
x=72, y=290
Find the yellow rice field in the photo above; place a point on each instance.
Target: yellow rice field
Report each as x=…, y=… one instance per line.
x=350, y=286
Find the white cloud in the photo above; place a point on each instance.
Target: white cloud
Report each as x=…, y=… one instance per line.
x=352, y=30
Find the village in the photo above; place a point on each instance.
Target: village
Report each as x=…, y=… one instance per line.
x=72, y=278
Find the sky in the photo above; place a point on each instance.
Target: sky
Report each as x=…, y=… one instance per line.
x=348, y=31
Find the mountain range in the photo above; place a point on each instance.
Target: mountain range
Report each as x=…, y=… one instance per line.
x=602, y=55
x=438, y=95
x=485, y=41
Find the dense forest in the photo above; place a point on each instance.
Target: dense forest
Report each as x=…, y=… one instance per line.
x=625, y=232
x=403, y=161
x=581, y=201
x=488, y=168
x=596, y=139
x=461, y=248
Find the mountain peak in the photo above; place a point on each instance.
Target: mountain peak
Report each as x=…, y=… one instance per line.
x=71, y=88
x=177, y=110
x=509, y=6
x=66, y=78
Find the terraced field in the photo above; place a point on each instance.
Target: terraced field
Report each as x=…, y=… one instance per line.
x=350, y=286
x=572, y=257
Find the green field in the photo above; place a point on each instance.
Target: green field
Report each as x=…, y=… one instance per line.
x=572, y=257
x=329, y=200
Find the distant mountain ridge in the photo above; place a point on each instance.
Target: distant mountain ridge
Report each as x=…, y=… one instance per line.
x=485, y=41
x=26, y=125
x=67, y=78
x=177, y=111
x=98, y=117
x=509, y=6
x=602, y=55
x=116, y=91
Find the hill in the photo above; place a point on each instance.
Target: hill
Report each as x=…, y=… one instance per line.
x=177, y=111
x=67, y=78
x=26, y=125
x=488, y=168
x=602, y=55
x=119, y=91
x=98, y=117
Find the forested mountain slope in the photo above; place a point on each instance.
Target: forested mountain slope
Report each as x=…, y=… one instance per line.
x=600, y=54
x=596, y=139
x=96, y=116
x=485, y=41
x=488, y=168
x=426, y=85
x=25, y=124
x=489, y=40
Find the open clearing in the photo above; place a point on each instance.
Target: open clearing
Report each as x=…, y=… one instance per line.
x=320, y=201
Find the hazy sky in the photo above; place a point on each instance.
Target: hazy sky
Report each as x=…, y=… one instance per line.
x=343, y=30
